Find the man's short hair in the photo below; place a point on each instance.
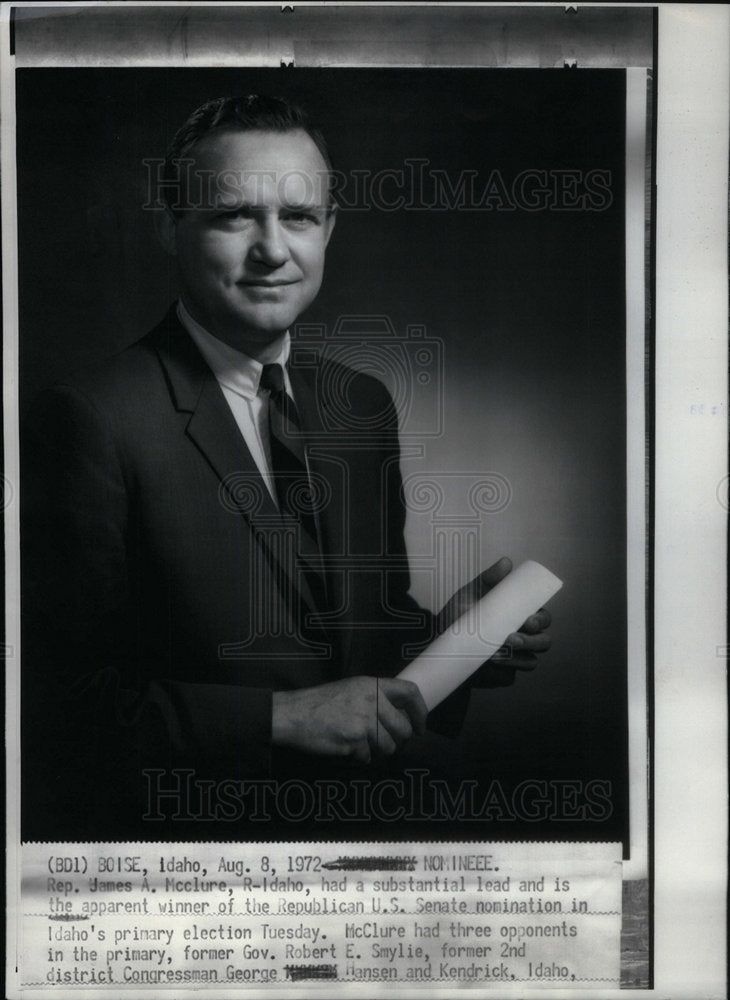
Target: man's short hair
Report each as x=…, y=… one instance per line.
x=254, y=112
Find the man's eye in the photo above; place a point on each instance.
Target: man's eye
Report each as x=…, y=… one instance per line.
x=235, y=213
x=301, y=218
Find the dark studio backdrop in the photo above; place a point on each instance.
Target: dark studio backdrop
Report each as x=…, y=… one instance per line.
x=526, y=304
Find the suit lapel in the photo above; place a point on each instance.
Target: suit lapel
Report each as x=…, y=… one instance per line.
x=211, y=425
x=214, y=430
x=215, y=433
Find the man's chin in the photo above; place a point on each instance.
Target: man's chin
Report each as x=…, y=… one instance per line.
x=259, y=329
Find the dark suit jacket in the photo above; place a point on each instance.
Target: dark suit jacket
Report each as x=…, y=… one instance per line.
x=160, y=608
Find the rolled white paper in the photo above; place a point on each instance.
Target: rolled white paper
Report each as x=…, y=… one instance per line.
x=472, y=639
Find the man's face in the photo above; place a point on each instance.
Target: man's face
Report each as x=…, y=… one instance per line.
x=251, y=251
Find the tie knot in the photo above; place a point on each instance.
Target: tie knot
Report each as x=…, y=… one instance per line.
x=272, y=378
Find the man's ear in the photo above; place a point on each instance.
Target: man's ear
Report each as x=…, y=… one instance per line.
x=330, y=223
x=166, y=230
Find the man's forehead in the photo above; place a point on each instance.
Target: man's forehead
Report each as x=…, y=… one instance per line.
x=258, y=149
x=258, y=169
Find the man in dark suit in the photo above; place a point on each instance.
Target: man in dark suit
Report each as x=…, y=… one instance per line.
x=215, y=576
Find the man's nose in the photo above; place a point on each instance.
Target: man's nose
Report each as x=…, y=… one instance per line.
x=269, y=247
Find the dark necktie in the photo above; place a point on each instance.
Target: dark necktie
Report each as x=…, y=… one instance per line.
x=293, y=488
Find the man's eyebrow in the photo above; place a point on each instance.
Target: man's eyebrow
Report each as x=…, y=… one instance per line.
x=303, y=205
x=227, y=204
x=224, y=203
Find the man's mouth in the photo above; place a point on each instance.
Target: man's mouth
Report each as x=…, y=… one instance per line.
x=264, y=283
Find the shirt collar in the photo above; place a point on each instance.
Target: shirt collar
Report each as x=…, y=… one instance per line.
x=233, y=369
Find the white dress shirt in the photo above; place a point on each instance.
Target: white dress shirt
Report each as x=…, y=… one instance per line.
x=239, y=376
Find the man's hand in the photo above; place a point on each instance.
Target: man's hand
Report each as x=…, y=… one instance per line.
x=358, y=717
x=520, y=648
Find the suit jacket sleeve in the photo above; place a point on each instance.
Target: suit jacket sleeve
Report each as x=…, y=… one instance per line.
x=84, y=671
